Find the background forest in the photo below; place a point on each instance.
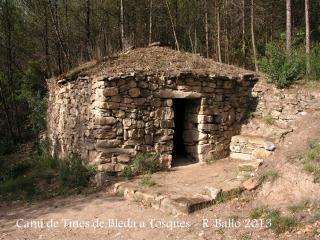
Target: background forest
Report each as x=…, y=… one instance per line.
x=44, y=38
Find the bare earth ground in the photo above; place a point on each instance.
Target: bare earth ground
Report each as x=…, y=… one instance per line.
x=78, y=217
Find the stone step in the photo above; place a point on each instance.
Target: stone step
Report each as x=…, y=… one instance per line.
x=176, y=203
x=250, y=165
x=250, y=147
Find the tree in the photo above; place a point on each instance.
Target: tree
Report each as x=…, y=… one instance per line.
x=308, y=61
x=206, y=26
x=254, y=49
x=243, y=34
x=288, y=26
x=173, y=26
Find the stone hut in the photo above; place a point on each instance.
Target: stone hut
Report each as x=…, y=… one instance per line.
x=149, y=100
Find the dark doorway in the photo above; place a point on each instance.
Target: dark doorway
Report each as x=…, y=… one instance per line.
x=179, y=115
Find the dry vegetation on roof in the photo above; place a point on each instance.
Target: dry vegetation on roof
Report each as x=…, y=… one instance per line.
x=162, y=61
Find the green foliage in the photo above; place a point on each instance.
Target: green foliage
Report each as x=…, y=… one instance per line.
x=73, y=174
x=31, y=93
x=270, y=175
x=147, y=182
x=128, y=172
x=147, y=163
x=32, y=177
x=315, y=63
x=7, y=144
x=279, y=223
x=226, y=196
x=269, y=120
x=282, y=69
x=299, y=207
x=311, y=161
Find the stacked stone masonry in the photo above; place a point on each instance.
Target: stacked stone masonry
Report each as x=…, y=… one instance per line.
x=273, y=114
x=108, y=120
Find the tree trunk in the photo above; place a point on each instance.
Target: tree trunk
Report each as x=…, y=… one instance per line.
x=308, y=64
x=173, y=28
x=243, y=35
x=54, y=16
x=88, y=30
x=150, y=21
x=7, y=113
x=122, y=26
x=289, y=26
x=252, y=37
x=10, y=63
x=46, y=42
x=206, y=26
x=218, y=33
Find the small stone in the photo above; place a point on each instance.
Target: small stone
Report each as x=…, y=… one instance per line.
x=213, y=192
x=260, y=153
x=269, y=146
x=251, y=183
x=134, y=92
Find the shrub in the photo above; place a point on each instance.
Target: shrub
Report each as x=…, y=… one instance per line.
x=127, y=172
x=146, y=163
x=147, y=182
x=315, y=63
x=73, y=174
x=283, y=69
x=311, y=161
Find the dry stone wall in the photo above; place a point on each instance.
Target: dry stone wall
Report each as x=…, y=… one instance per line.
x=273, y=116
x=281, y=107
x=108, y=120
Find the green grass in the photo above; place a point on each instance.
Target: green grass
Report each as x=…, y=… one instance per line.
x=269, y=120
x=311, y=161
x=147, y=182
x=299, y=207
x=226, y=196
x=270, y=175
x=279, y=224
x=234, y=218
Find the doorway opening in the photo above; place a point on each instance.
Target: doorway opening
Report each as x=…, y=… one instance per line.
x=182, y=153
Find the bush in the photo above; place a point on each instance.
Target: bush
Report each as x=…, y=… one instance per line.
x=147, y=163
x=283, y=69
x=147, y=182
x=315, y=63
x=127, y=172
x=73, y=174
x=311, y=161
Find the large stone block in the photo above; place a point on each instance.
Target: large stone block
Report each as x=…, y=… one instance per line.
x=101, y=133
x=105, y=120
x=167, y=124
x=110, y=91
x=108, y=143
x=204, y=149
x=136, y=133
x=208, y=127
x=165, y=113
x=134, y=92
